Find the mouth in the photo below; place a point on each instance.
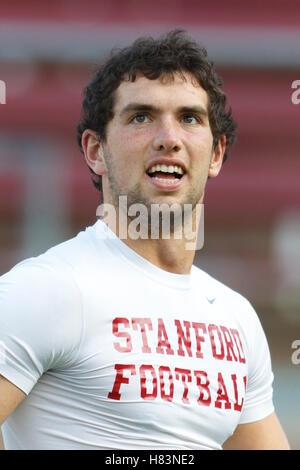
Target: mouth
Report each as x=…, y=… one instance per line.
x=166, y=177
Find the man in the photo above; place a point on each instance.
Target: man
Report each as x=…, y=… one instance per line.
x=118, y=342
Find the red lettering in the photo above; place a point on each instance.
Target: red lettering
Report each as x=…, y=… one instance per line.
x=203, y=387
x=144, y=394
x=186, y=375
x=199, y=338
x=163, y=343
x=149, y=377
x=119, y=334
x=222, y=394
x=229, y=343
x=239, y=345
x=211, y=329
x=163, y=394
x=237, y=406
x=183, y=338
x=142, y=322
x=120, y=379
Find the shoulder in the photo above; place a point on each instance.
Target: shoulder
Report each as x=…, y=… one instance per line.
x=237, y=309
x=229, y=304
x=56, y=275
x=37, y=292
x=58, y=261
x=87, y=250
x=41, y=305
x=219, y=291
x=45, y=283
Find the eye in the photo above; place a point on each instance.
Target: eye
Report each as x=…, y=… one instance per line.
x=190, y=119
x=140, y=118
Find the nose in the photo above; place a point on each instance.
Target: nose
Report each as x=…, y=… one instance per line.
x=167, y=137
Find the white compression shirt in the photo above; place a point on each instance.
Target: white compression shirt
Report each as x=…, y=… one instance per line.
x=115, y=353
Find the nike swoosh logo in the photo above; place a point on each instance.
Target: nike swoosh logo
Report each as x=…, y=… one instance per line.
x=211, y=301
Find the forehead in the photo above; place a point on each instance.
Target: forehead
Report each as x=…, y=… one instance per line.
x=170, y=91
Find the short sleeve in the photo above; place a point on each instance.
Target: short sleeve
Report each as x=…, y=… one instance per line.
x=259, y=388
x=40, y=322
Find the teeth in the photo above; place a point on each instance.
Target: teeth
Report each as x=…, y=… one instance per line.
x=165, y=180
x=166, y=169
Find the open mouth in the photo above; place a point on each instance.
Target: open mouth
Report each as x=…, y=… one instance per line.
x=166, y=173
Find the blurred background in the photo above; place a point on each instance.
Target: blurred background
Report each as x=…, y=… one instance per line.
x=48, y=52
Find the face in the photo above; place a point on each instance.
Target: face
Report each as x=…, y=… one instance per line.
x=159, y=144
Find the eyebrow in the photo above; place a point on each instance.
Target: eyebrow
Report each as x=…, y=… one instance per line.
x=148, y=107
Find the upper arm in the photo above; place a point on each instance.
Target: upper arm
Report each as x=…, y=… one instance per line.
x=10, y=397
x=266, y=434
x=40, y=322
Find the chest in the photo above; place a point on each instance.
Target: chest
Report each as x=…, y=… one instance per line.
x=165, y=354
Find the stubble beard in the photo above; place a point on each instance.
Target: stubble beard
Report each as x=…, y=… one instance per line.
x=135, y=195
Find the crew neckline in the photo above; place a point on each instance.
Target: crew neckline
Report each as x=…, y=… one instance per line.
x=181, y=281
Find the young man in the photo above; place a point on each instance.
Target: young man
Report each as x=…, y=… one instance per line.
x=115, y=341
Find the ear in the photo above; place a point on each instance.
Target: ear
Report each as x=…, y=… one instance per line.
x=93, y=151
x=217, y=157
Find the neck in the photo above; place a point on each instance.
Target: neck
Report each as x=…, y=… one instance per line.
x=173, y=252
x=168, y=255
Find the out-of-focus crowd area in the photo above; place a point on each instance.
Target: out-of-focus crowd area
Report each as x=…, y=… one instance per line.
x=48, y=52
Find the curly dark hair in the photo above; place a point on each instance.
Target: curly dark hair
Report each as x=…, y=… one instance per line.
x=172, y=53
